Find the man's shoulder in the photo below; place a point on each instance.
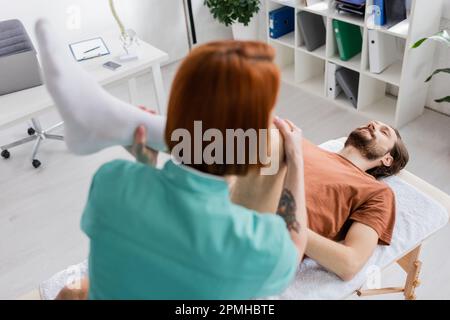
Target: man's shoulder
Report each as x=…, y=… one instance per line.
x=310, y=148
x=383, y=186
x=380, y=189
x=308, y=144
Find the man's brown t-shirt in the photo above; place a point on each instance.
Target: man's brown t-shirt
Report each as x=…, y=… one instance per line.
x=338, y=193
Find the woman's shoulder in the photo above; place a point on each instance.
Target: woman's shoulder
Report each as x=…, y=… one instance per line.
x=255, y=223
x=115, y=165
x=114, y=181
x=121, y=174
x=120, y=168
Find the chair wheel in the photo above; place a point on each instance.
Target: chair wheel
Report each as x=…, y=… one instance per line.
x=36, y=163
x=31, y=131
x=6, y=154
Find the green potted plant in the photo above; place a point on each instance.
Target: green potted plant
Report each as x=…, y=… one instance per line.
x=240, y=14
x=443, y=37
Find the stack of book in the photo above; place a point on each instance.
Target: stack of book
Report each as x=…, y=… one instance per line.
x=357, y=7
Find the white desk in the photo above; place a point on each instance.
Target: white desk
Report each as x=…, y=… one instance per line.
x=20, y=106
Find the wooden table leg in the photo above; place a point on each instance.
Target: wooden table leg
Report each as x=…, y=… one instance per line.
x=411, y=265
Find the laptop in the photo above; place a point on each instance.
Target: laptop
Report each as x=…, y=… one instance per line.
x=19, y=67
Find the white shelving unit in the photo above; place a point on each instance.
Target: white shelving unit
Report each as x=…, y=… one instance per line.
x=307, y=70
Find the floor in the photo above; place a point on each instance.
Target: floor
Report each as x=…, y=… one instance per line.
x=40, y=209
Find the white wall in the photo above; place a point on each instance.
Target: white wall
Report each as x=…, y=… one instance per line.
x=446, y=11
x=159, y=22
x=206, y=27
x=439, y=86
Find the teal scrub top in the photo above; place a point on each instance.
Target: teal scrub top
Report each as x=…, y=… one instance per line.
x=173, y=233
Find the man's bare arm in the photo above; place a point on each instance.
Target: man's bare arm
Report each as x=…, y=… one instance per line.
x=344, y=259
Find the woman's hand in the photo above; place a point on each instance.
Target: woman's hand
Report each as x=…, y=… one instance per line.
x=139, y=149
x=292, y=136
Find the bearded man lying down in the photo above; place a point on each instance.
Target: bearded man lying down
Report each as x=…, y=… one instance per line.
x=349, y=210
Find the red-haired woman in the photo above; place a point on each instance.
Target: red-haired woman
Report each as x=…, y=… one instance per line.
x=174, y=233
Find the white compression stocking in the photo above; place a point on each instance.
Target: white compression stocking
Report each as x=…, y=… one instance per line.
x=93, y=119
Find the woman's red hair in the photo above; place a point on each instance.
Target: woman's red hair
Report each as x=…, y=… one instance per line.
x=226, y=85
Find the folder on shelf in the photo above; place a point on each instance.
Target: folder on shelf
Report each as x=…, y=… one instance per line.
x=333, y=88
x=348, y=39
x=348, y=80
x=312, y=30
x=395, y=11
x=357, y=7
x=281, y=21
x=382, y=51
x=379, y=13
x=356, y=3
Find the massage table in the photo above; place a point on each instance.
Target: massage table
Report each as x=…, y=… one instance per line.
x=422, y=210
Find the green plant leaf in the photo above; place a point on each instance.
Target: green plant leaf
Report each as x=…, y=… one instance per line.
x=445, y=99
x=418, y=43
x=446, y=70
x=442, y=36
x=230, y=11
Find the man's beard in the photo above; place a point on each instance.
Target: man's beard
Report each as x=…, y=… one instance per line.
x=363, y=139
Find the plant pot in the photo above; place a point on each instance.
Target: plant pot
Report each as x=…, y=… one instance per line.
x=250, y=32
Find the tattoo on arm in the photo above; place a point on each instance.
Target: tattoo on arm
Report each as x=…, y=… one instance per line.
x=287, y=209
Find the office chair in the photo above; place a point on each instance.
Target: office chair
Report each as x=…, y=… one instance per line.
x=19, y=71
